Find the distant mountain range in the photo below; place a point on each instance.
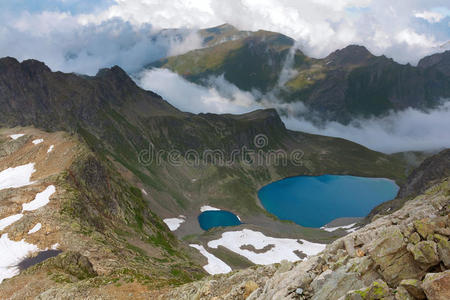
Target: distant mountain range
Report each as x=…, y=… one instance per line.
x=348, y=83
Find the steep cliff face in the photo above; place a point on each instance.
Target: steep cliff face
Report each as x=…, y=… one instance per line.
x=404, y=255
x=431, y=170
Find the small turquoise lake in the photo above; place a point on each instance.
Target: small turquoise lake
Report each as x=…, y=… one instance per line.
x=313, y=201
x=215, y=218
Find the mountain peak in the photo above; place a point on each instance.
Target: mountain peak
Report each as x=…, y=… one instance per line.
x=115, y=75
x=440, y=61
x=35, y=65
x=221, y=28
x=219, y=34
x=8, y=60
x=30, y=66
x=113, y=71
x=350, y=55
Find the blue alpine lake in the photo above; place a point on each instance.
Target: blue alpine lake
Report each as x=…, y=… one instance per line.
x=313, y=201
x=215, y=218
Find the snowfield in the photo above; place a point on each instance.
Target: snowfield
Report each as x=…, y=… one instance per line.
x=215, y=265
x=16, y=177
x=16, y=136
x=36, y=228
x=346, y=227
x=11, y=254
x=38, y=141
x=281, y=249
x=207, y=208
x=173, y=223
x=5, y=222
x=41, y=199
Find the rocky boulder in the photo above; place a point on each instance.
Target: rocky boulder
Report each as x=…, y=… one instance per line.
x=437, y=285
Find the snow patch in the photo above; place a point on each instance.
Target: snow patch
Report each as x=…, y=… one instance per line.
x=331, y=229
x=16, y=177
x=215, y=265
x=5, y=222
x=11, y=254
x=38, y=141
x=16, y=136
x=36, y=228
x=173, y=223
x=353, y=229
x=55, y=246
x=50, y=149
x=40, y=200
x=282, y=249
x=207, y=208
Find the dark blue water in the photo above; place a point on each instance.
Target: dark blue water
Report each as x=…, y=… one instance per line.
x=215, y=218
x=314, y=201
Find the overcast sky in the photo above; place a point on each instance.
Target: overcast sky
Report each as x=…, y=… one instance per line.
x=84, y=35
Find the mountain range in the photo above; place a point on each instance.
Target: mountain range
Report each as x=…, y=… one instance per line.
x=347, y=84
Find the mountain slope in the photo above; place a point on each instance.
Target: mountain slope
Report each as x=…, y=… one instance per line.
x=114, y=123
x=97, y=219
x=119, y=120
x=250, y=61
x=348, y=83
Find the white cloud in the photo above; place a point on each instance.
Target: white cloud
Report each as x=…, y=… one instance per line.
x=412, y=38
x=129, y=33
x=222, y=97
x=407, y=130
x=320, y=26
x=64, y=43
x=126, y=32
x=430, y=16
